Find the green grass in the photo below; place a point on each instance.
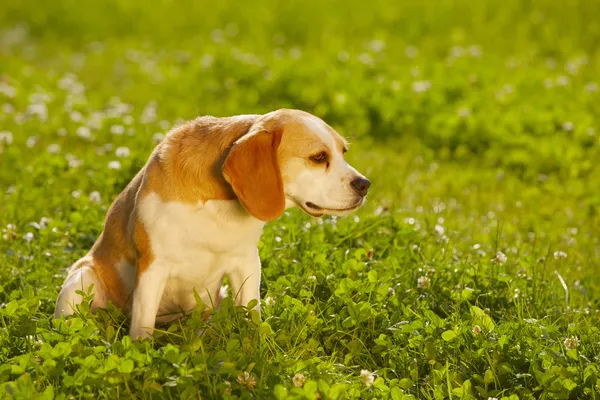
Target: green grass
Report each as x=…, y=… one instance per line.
x=467, y=274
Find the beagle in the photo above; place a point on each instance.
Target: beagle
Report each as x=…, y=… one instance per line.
x=195, y=213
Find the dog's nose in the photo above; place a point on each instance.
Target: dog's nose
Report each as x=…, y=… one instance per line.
x=361, y=185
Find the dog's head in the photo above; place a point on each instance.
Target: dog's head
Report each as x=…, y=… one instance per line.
x=292, y=158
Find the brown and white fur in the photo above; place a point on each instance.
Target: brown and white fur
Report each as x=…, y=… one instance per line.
x=195, y=213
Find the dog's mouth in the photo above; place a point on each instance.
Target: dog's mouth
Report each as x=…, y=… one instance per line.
x=317, y=211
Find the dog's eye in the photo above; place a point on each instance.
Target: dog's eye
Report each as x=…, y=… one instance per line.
x=319, y=158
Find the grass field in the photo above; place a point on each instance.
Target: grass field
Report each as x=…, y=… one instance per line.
x=473, y=271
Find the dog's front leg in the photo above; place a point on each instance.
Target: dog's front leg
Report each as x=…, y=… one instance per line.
x=244, y=279
x=148, y=292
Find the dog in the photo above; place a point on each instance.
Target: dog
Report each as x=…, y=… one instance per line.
x=196, y=211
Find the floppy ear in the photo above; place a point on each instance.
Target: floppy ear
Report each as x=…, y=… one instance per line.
x=253, y=172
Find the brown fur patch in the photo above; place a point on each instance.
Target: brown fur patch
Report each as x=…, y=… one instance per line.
x=252, y=169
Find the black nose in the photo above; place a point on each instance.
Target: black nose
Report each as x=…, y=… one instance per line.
x=361, y=185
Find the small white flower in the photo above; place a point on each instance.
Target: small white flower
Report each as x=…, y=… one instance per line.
x=568, y=126
x=76, y=116
x=476, y=330
x=366, y=59
x=571, y=343
x=157, y=137
x=563, y=80
x=53, y=149
x=475, y=51
x=122, y=151
x=94, y=197
x=117, y=129
x=270, y=301
x=411, y=51
x=6, y=137
x=439, y=229
x=28, y=237
x=8, y=108
x=500, y=258
x=591, y=87
x=367, y=377
x=7, y=90
x=74, y=162
x=464, y=112
x=245, y=378
x=299, y=380
x=560, y=254
x=423, y=282
x=114, y=165
x=76, y=194
x=421, y=86
x=492, y=398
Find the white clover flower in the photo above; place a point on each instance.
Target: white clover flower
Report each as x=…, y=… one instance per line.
x=84, y=132
x=117, y=129
x=367, y=377
x=475, y=51
x=6, y=137
x=563, y=80
x=245, y=378
x=439, y=229
x=8, y=108
x=500, y=258
x=311, y=278
x=568, y=126
x=299, y=380
x=270, y=301
x=476, y=330
x=53, y=149
x=366, y=59
x=76, y=116
x=74, y=162
x=571, y=343
x=7, y=90
x=376, y=46
x=591, y=87
x=28, y=237
x=411, y=51
x=76, y=194
x=157, y=137
x=560, y=254
x=421, y=86
x=95, y=197
x=122, y=151
x=423, y=282
x=114, y=165
x=464, y=112
x=39, y=110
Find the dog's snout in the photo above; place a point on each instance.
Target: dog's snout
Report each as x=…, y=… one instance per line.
x=361, y=185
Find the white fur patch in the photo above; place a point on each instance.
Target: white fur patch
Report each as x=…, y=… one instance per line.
x=198, y=245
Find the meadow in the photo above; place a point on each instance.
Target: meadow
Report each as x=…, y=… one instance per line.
x=472, y=272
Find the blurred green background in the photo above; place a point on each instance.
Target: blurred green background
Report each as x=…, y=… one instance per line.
x=509, y=84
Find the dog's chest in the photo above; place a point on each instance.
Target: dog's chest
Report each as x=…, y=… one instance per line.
x=185, y=232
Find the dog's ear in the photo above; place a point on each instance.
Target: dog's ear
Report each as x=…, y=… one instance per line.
x=252, y=169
